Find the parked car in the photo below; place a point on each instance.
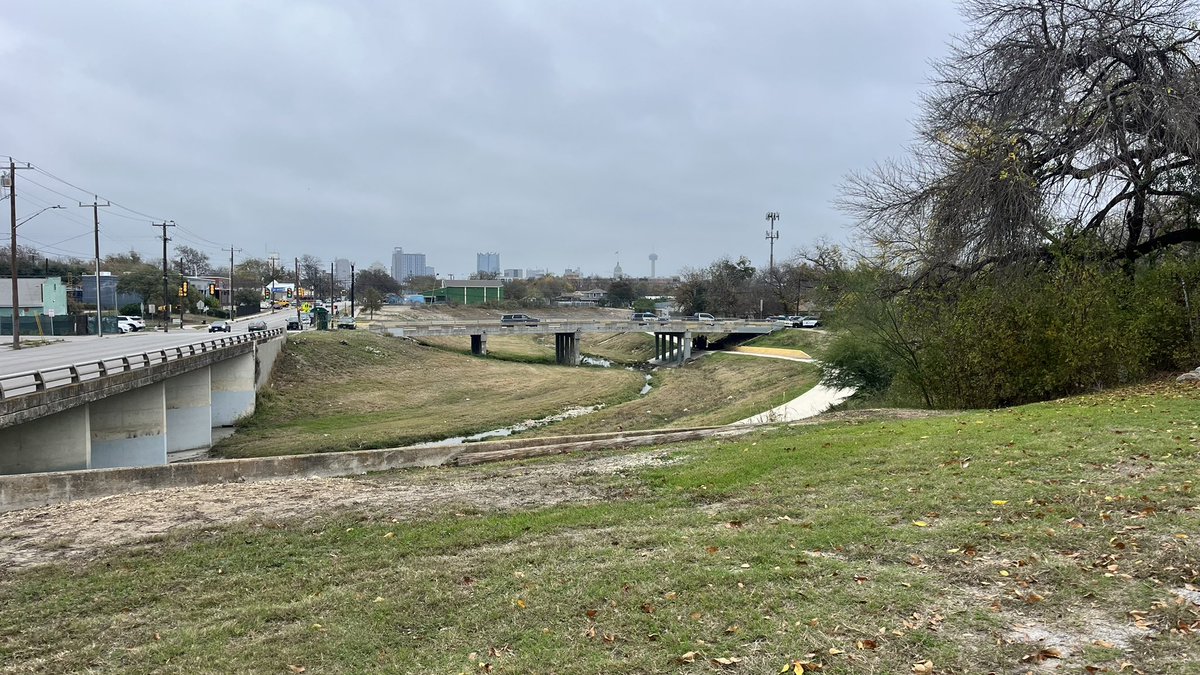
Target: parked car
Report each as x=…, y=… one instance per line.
x=346, y=322
x=135, y=321
x=518, y=320
x=256, y=325
x=810, y=322
x=648, y=317
x=125, y=325
x=294, y=324
x=220, y=327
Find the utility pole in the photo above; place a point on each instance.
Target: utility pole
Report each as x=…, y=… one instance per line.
x=351, y=290
x=231, y=250
x=96, y=221
x=330, y=287
x=166, y=304
x=296, y=295
x=12, y=250
x=772, y=235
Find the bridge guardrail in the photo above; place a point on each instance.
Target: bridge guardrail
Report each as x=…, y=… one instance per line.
x=33, y=381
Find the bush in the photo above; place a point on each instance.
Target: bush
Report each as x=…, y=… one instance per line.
x=133, y=309
x=1016, y=335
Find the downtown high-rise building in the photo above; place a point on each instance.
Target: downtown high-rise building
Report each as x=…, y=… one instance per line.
x=408, y=265
x=488, y=263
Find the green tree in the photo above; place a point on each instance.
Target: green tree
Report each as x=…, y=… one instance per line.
x=372, y=301
x=1054, y=125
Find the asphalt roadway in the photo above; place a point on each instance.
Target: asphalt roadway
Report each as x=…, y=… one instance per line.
x=71, y=349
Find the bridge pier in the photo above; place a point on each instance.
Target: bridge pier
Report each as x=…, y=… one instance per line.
x=479, y=344
x=566, y=348
x=673, y=347
x=189, y=410
x=58, y=442
x=130, y=429
x=232, y=389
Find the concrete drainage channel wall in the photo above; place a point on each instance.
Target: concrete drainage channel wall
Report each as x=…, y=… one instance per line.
x=23, y=491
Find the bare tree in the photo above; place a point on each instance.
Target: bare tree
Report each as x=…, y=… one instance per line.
x=193, y=261
x=1054, y=125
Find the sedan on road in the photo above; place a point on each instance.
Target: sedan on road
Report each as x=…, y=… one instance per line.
x=256, y=325
x=220, y=327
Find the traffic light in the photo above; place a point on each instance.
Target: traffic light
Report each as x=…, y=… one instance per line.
x=212, y=289
x=184, y=291
x=289, y=293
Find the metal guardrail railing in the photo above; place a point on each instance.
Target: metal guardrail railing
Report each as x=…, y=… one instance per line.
x=33, y=381
x=450, y=327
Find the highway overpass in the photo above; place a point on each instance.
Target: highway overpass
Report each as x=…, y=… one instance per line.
x=673, y=339
x=126, y=401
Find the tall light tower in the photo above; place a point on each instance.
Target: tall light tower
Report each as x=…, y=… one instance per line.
x=772, y=235
x=653, y=259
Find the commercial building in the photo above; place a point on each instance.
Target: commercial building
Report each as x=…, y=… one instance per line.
x=513, y=273
x=341, y=271
x=37, y=296
x=110, y=298
x=408, y=265
x=468, y=291
x=487, y=263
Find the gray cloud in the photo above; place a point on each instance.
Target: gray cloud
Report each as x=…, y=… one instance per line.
x=553, y=132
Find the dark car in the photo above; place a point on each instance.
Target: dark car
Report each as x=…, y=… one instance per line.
x=294, y=324
x=220, y=327
x=518, y=320
x=347, y=322
x=256, y=325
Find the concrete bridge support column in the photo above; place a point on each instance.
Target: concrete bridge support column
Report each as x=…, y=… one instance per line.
x=232, y=389
x=189, y=410
x=566, y=348
x=58, y=442
x=686, y=353
x=130, y=429
x=479, y=344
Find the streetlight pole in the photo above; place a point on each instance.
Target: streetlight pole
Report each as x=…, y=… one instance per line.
x=772, y=235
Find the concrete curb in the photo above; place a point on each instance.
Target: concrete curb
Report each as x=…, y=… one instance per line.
x=22, y=491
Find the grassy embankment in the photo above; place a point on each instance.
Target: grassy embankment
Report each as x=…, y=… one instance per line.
x=810, y=341
x=716, y=389
x=378, y=392
x=1062, y=533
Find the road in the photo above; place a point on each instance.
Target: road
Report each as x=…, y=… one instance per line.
x=82, y=348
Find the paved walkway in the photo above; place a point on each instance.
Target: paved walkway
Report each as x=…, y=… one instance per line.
x=809, y=404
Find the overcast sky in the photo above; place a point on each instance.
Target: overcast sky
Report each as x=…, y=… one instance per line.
x=553, y=132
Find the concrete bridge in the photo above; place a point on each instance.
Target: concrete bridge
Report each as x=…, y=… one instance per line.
x=673, y=339
x=133, y=409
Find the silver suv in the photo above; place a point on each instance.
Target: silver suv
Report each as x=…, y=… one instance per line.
x=518, y=320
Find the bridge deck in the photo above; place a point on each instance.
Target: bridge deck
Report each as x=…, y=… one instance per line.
x=439, y=328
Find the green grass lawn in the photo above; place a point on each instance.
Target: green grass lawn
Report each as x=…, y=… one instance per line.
x=864, y=547
x=357, y=390
x=811, y=341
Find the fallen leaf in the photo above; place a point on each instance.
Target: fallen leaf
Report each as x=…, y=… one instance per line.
x=726, y=661
x=520, y=603
x=920, y=523
x=866, y=644
x=733, y=629
x=297, y=669
x=648, y=608
x=389, y=535
x=923, y=668
x=712, y=549
x=689, y=657
x=591, y=613
x=1000, y=502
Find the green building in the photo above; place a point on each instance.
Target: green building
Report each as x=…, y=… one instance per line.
x=468, y=291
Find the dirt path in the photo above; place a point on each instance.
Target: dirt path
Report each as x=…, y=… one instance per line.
x=85, y=529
